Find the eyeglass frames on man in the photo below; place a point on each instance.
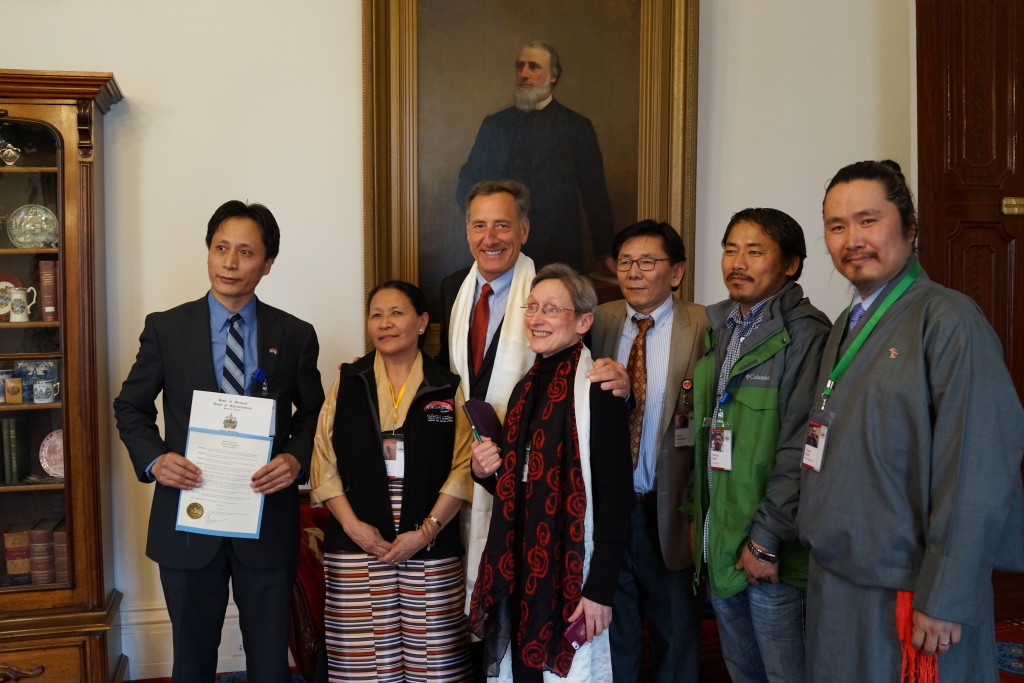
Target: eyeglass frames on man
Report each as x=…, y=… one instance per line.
x=625, y=264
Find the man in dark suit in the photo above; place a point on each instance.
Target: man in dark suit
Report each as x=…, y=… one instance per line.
x=553, y=151
x=194, y=347
x=659, y=338
x=483, y=338
x=486, y=297
x=496, y=230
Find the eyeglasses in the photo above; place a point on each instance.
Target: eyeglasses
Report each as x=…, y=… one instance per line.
x=625, y=264
x=550, y=310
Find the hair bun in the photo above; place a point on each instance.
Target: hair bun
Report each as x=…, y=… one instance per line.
x=892, y=164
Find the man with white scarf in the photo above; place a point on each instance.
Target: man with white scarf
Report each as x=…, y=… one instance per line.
x=493, y=354
x=496, y=229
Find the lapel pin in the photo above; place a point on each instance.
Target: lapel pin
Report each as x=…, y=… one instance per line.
x=273, y=350
x=893, y=352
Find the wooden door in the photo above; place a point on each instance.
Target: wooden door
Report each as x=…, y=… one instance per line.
x=970, y=90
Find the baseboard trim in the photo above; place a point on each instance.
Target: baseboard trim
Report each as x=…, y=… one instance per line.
x=146, y=641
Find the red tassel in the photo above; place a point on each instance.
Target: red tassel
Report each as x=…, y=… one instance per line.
x=917, y=666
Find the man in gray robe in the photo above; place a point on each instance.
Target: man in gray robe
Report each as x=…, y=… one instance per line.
x=913, y=493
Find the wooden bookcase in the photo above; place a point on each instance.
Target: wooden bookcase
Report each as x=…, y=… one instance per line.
x=64, y=629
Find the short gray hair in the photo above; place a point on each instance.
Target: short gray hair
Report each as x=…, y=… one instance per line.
x=556, y=63
x=581, y=292
x=520, y=193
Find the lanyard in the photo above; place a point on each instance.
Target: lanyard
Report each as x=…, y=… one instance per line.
x=839, y=368
x=720, y=412
x=396, y=402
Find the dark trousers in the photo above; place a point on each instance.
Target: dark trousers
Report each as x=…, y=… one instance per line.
x=521, y=673
x=649, y=591
x=197, y=600
x=476, y=661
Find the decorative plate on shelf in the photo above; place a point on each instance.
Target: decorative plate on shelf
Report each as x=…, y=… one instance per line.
x=8, y=281
x=51, y=453
x=33, y=227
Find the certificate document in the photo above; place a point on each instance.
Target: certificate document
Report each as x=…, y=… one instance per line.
x=228, y=439
x=232, y=413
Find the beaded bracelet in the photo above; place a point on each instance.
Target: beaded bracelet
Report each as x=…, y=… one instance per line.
x=426, y=538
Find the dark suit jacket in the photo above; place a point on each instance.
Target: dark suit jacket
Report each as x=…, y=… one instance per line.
x=175, y=357
x=554, y=152
x=674, y=468
x=478, y=382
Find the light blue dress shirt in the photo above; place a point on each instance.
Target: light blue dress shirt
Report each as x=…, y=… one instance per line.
x=219, y=338
x=659, y=338
x=866, y=303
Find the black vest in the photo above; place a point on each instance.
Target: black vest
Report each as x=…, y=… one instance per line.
x=429, y=434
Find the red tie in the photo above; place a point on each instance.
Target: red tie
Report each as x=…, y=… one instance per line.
x=478, y=328
x=636, y=368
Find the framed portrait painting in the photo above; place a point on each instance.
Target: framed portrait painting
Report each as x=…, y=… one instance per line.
x=439, y=82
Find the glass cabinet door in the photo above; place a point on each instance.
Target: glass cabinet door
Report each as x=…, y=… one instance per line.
x=58, y=604
x=33, y=499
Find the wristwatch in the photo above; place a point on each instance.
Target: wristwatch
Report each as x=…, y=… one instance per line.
x=762, y=555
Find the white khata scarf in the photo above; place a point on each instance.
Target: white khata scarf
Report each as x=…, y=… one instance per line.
x=512, y=360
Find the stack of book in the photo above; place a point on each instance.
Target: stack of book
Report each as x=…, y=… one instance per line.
x=19, y=568
x=35, y=553
x=17, y=458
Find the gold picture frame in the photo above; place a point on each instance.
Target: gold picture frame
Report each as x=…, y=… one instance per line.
x=666, y=139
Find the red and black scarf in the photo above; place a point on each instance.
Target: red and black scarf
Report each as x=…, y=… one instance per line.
x=531, y=570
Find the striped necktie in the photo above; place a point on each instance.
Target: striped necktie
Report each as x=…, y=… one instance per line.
x=233, y=377
x=855, y=314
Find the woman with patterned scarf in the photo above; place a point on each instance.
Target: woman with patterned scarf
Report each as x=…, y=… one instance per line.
x=562, y=486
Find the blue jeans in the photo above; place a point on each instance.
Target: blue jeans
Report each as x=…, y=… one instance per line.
x=762, y=633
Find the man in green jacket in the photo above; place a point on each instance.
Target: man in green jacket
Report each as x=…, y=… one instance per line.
x=753, y=391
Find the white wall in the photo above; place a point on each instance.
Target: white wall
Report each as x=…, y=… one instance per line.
x=260, y=100
x=251, y=99
x=789, y=92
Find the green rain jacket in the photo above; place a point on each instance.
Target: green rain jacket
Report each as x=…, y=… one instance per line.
x=771, y=390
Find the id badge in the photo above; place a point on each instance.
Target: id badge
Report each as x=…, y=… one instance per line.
x=684, y=428
x=394, y=456
x=720, y=451
x=817, y=434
